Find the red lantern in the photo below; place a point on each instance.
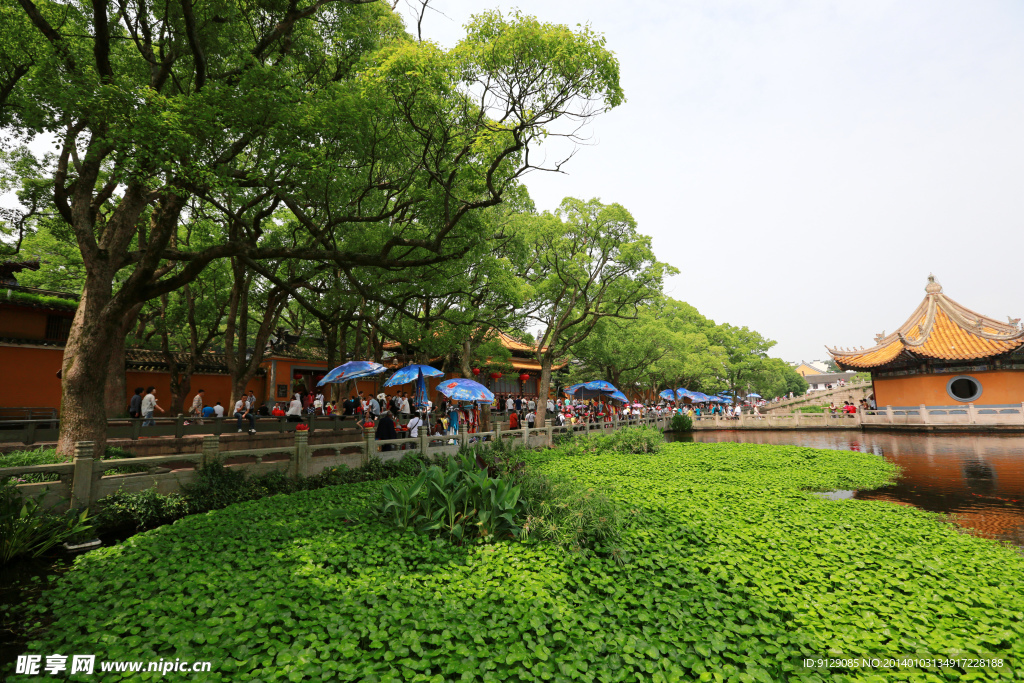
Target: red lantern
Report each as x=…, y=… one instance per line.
x=495, y=375
x=523, y=377
x=297, y=376
x=476, y=371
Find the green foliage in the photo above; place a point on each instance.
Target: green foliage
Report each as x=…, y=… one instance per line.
x=140, y=510
x=460, y=502
x=633, y=440
x=48, y=456
x=570, y=514
x=29, y=529
x=41, y=300
x=737, y=571
x=811, y=409
x=681, y=423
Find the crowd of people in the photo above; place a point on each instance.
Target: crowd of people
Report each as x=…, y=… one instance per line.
x=391, y=415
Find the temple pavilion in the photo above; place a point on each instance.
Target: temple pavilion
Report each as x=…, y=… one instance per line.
x=944, y=354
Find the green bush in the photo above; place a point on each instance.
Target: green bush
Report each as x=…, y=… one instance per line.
x=460, y=501
x=737, y=571
x=681, y=423
x=577, y=517
x=140, y=510
x=27, y=528
x=634, y=440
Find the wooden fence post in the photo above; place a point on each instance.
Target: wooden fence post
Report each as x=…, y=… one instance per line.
x=301, y=457
x=211, y=450
x=81, y=485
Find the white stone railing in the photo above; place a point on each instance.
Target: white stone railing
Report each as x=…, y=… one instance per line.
x=963, y=414
x=84, y=481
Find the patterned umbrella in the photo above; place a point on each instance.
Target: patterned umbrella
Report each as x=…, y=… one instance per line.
x=572, y=389
x=698, y=397
x=354, y=369
x=465, y=390
x=418, y=374
x=619, y=396
x=668, y=395
x=753, y=395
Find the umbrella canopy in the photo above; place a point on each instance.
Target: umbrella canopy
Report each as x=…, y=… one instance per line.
x=618, y=396
x=571, y=389
x=354, y=369
x=465, y=390
x=597, y=385
x=718, y=399
x=753, y=395
x=418, y=374
x=698, y=397
x=668, y=395
x=411, y=373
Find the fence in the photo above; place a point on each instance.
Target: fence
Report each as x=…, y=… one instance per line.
x=964, y=414
x=85, y=480
x=783, y=421
x=33, y=431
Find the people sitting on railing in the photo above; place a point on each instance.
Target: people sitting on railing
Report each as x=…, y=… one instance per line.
x=242, y=412
x=295, y=409
x=218, y=410
x=278, y=411
x=832, y=408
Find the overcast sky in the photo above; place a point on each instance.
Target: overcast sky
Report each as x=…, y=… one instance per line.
x=807, y=164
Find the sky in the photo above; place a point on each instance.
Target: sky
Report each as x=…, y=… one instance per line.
x=807, y=164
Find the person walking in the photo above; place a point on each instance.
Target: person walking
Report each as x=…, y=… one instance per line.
x=148, y=405
x=197, y=406
x=386, y=430
x=135, y=404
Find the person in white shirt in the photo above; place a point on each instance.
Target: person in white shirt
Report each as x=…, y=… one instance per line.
x=510, y=404
x=551, y=406
x=414, y=425
x=294, y=413
x=148, y=406
x=405, y=408
x=218, y=410
x=531, y=417
x=531, y=405
x=243, y=412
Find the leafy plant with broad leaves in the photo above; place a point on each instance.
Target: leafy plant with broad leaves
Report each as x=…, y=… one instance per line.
x=682, y=423
x=28, y=528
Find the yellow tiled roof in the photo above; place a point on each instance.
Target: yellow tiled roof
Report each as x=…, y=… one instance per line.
x=939, y=328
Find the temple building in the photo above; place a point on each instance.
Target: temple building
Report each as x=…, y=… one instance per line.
x=944, y=354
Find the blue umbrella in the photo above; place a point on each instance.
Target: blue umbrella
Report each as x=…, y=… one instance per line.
x=753, y=395
x=600, y=385
x=682, y=393
x=618, y=396
x=571, y=389
x=418, y=374
x=354, y=369
x=465, y=390
x=668, y=395
x=699, y=397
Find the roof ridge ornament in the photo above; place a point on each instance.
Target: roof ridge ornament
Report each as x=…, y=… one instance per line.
x=932, y=287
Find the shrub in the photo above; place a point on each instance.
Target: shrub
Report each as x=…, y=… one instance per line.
x=140, y=510
x=216, y=486
x=635, y=440
x=569, y=514
x=681, y=423
x=460, y=501
x=27, y=528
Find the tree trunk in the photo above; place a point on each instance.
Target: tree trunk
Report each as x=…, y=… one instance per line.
x=542, y=389
x=115, y=388
x=87, y=357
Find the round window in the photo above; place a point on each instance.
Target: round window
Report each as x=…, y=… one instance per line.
x=963, y=388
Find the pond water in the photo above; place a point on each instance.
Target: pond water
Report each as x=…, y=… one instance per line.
x=979, y=479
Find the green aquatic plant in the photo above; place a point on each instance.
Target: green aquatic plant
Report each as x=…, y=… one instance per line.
x=736, y=572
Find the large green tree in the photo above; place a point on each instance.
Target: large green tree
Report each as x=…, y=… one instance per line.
x=381, y=147
x=585, y=262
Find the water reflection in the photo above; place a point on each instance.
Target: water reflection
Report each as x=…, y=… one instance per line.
x=978, y=478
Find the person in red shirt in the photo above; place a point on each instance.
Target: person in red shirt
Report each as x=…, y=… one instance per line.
x=278, y=411
x=513, y=420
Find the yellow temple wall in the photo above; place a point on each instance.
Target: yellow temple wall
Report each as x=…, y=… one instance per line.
x=997, y=387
